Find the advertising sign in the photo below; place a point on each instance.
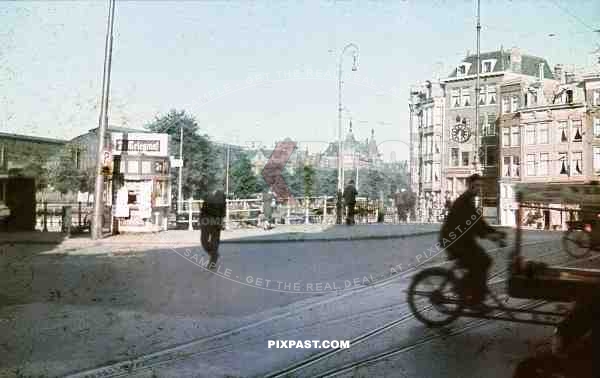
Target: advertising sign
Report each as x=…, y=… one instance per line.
x=135, y=144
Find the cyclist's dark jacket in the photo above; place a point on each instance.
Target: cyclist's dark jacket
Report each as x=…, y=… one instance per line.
x=460, y=229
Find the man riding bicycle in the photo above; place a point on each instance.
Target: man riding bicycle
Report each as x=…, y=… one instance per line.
x=463, y=224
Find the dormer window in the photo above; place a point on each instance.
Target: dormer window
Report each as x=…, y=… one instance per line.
x=488, y=65
x=463, y=69
x=569, y=96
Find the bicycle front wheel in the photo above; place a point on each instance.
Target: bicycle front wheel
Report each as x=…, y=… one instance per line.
x=433, y=297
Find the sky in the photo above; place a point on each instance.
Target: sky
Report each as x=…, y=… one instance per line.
x=261, y=71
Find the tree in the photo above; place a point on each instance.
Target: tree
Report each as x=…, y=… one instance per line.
x=309, y=179
x=243, y=181
x=64, y=176
x=326, y=180
x=200, y=159
x=373, y=183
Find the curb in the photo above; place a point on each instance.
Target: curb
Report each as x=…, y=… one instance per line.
x=227, y=241
x=320, y=240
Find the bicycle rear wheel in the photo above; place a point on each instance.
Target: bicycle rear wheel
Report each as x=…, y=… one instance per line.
x=433, y=297
x=577, y=242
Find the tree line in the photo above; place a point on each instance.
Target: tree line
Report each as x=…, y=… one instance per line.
x=205, y=167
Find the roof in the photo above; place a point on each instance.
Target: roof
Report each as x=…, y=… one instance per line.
x=32, y=138
x=529, y=64
x=120, y=129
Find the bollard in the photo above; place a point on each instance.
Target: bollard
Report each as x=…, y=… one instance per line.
x=79, y=214
x=288, y=212
x=306, y=220
x=324, y=209
x=190, y=226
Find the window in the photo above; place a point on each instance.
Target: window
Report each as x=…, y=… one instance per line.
x=543, y=136
x=563, y=132
x=462, y=70
x=133, y=167
x=531, y=165
x=482, y=93
x=505, y=136
x=465, y=95
x=455, y=98
x=596, y=98
x=465, y=159
x=516, y=166
x=576, y=164
x=436, y=172
x=515, y=139
x=491, y=94
x=544, y=164
x=482, y=125
x=596, y=127
x=562, y=163
x=507, y=169
x=514, y=103
x=569, y=96
x=491, y=124
x=491, y=155
x=159, y=167
x=577, y=129
x=530, y=134
x=454, y=157
x=487, y=67
x=597, y=160
x=505, y=105
x=146, y=167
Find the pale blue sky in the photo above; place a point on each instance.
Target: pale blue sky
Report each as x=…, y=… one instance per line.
x=172, y=54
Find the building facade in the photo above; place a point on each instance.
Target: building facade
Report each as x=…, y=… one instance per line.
x=553, y=136
x=427, y=117
x=468, y=138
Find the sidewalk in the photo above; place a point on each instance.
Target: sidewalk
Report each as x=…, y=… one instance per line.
x=279, y=234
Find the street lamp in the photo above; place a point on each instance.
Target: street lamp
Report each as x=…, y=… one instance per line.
x=340, y=147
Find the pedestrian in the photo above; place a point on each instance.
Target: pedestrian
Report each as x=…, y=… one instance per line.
x=350, y=194
x=211, y=223
x=400, y=203
x=267, y=198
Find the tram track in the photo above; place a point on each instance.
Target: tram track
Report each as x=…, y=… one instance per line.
x=180, y=352
x=316, y=358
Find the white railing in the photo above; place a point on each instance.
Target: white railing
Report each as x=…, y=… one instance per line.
x=306, y=210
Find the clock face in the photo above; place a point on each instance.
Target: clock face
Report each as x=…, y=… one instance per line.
x=461, y=133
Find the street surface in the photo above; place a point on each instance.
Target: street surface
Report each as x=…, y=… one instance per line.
x=72, y=311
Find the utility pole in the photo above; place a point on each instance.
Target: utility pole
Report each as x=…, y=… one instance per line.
x=96, y=230
x=179, y=199
x=477, y=89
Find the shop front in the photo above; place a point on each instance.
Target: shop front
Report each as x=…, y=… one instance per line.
x=142, y=196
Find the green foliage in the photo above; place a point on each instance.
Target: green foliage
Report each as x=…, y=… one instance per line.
x=373, y=183
x=243, y=182
x=326, y=181
x=201, y=172
x=63, y=174
x=309, y=178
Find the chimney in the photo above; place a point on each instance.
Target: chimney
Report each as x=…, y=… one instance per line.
x=558, y=73
x=515, y=60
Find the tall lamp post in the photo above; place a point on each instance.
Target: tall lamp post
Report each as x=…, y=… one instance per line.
x=354, y=68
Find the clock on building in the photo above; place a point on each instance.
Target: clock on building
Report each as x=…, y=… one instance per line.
x=461, y=133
